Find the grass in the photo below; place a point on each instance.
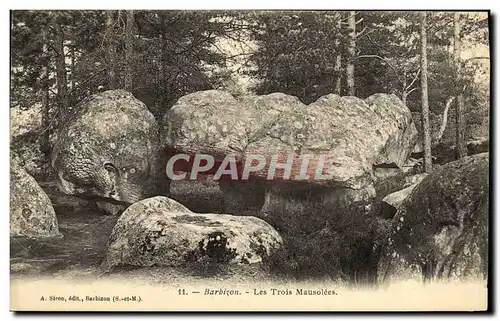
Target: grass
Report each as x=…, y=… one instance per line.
x=325, y=237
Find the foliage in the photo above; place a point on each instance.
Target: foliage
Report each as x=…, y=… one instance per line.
x=296, y=53
x=176, y=52
x=335, y=242
x=171, y=52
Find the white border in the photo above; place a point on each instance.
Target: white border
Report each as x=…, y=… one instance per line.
x=190, y=4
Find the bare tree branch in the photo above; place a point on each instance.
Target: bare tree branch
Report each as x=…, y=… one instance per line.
x=361, y=32
x=240, y=54
x=414, y=79
x=411, y=90
x=475, y=58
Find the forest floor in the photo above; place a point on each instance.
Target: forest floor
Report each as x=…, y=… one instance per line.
x=70, y=266
x=85, y=230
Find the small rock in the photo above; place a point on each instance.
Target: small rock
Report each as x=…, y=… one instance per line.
x=160, y=231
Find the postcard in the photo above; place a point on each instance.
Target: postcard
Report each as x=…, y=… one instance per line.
x=197, y=160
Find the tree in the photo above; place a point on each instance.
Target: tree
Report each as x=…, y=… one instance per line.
x=426, y=131
x=388, y=59
x=311, y=42
x=338, y=59
x=178, y=54
x=461, y=147
x=60, y=58
x=110, y=49
x=351, y=90
x=168, y=54
x=45, y=90
x=129, y=50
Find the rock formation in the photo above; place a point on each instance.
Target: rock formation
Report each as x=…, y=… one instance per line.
x=160, y=231
x=109, y=150
x=351, y=145
x=392, y=202
x=31, y=212
x=354, y=136
x=441, y=229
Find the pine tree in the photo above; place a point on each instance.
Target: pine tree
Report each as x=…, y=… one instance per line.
x=426, y=130
x=461, y=148
x=129, y=49
x=110, y=49
x=351, y=90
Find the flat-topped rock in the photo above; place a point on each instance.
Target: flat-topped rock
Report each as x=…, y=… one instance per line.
x=353, y=135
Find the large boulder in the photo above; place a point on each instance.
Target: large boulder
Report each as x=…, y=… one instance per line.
x=109, y=150
x=160, y=231
x=25, y=140
x=441, y=229
x=353, y=135
x=31, y=212
x=355, y=144
x=357, y=138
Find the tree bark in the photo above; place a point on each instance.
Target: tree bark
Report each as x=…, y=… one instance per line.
x=110, y=50
x=73, y=63
x=459, y=111
x=404, y=94
x=61, y=76
x=338, y=59
x=426, y=134
x=45, y=137
x=162, y=61
x=73, y=69
x=129, y=49
x=352, y=52
x=445, y=119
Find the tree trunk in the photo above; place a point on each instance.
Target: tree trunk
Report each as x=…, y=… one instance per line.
x=73, y=63
x=459, y=111
x=338, y=59
x=45, y=137
x=62, y=85
x=445, y=119
x=129, y=49
x=426, y=133
x=110, y=50
x=162, y=61
x=160, y=77
x=73, y=69
x=352, y=52
x=404, y=94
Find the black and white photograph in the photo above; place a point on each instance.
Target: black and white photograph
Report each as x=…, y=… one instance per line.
x=249, y=160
